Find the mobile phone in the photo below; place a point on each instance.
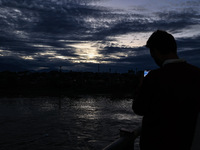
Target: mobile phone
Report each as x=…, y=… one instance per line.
x=146, y=72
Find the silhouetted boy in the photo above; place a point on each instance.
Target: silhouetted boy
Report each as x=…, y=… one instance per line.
x=168, y=99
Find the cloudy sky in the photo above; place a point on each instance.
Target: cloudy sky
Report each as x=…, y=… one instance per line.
x=79, y=35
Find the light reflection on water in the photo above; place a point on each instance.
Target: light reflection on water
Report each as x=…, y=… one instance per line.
x=84, y=123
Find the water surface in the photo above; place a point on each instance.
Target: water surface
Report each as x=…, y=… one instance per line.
x=84, y=123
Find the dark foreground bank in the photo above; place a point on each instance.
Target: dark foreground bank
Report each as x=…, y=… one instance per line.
x=34, y=84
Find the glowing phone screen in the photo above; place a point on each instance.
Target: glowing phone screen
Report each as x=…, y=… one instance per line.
x=146, y=72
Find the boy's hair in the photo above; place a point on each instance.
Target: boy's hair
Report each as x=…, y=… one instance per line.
x=162, y=41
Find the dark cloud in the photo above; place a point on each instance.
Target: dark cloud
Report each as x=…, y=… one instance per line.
x=189, y=43
x=189, y=49
x=170, y=21
x=175, y=20
x=109, y=50
x=31, y=27
x=10, y=63
x=138, y=58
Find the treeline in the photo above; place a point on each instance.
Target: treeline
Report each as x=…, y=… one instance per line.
x=57, y=83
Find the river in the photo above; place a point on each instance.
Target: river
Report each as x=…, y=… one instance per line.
x=81, y=123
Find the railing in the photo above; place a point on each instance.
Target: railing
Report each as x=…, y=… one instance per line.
x=196, y=143
x=126, y=140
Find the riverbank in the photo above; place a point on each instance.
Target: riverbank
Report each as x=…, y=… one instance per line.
x=58, y=84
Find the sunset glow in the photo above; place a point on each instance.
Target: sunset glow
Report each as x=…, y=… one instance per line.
x=48, y=34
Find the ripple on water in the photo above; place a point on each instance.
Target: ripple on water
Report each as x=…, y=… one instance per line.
x=84, y=123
